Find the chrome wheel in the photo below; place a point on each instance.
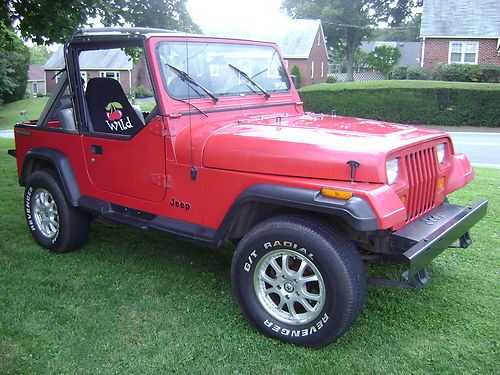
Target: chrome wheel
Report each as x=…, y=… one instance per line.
x=289, y=287
x=45, y=213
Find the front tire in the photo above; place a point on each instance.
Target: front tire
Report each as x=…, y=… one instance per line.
x=298, y=280
x=53, y=222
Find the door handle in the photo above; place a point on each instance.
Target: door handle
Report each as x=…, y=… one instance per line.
x=96, y=149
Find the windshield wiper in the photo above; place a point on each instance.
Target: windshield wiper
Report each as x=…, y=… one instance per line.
x=244, y=75
x=195, y=107
x=187, y=78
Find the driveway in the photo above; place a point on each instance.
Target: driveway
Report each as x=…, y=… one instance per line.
x=482, y=149
x=7, y=134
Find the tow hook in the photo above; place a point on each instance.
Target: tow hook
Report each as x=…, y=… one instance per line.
x=463, y=242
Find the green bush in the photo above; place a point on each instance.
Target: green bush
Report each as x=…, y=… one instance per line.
x=143, y=92
x=331, y=79
x=399, y=72
x=416, y=73
x=456, y=72
x=296, y=72
x=410, y=102
x=489, y=73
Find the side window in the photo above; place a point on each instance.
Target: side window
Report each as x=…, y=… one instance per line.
x=118, y=93
x=60, y=113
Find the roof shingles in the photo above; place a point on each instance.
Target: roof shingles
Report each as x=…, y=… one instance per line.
x=106, y=59
x=294, y=38
x=461, y=19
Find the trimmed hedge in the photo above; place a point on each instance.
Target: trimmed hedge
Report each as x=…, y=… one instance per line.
x=409, y=102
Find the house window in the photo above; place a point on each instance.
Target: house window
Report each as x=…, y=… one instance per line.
x=322, y=69
x=111, y=74
x=463, y=52
x=319, y=39
x=312, y=69
x=35, y=87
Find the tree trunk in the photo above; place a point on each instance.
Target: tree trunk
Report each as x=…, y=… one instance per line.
x=351, y=47
x=350, y=64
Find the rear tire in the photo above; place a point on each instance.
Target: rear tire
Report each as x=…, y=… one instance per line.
x=298, y=280
x=53, y=222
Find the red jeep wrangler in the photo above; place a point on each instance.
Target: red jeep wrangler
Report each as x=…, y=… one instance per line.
x=226, y=152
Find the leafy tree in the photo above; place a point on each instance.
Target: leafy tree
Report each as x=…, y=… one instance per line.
x=408, y=31
x=46, y=21
x=14, y=64
x=296, y=72
x=383, y=59
x=360, y=60
x=347, y=22
x=39, y=54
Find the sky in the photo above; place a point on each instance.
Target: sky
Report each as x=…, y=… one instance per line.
x=208, y=14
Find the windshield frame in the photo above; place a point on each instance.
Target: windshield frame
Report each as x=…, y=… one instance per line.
x=240, y=42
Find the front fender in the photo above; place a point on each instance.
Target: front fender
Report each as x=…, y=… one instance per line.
x=356, y=211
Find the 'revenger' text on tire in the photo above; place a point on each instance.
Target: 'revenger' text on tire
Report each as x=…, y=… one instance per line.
x=53, y=222
x=298, y=280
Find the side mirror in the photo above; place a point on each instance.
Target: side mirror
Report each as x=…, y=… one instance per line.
x=294, y=80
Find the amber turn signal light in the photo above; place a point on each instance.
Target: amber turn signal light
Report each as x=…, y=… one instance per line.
x=440, y=183
x=337, y=194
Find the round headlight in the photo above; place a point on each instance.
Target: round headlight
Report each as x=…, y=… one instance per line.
x=392, y=170
x=441, y=151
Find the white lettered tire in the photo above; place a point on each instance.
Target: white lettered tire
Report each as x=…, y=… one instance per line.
x=53, y=222
x=298, y=280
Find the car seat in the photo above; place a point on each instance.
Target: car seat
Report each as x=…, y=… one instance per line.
x=109, y=109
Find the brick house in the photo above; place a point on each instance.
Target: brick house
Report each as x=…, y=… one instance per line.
x=460, y=32
x=36, y=80
x=111, y=63
x=301, y=42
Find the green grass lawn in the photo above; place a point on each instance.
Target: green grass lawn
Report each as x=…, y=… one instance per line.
x=133, y=302
x=9, y=113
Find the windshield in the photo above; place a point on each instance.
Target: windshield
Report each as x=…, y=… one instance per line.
x=209, y=66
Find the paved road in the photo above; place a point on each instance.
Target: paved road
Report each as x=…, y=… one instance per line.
x=7, y=134
x=483, y=149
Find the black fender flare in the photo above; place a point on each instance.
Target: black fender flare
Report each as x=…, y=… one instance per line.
x=356, y=212
x=61, y=165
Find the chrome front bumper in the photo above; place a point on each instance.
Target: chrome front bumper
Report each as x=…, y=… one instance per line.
x=426, y=238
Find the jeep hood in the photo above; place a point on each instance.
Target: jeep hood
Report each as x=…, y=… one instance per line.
x=311, y=146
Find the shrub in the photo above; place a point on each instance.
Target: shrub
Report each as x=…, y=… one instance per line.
x=410, y=102
x=456, y=72
x=331, y=79
x=143, y=92
x=416, y=73
x=489, y=73
x=399, y=72
x=39, y=95
x=296, y=72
